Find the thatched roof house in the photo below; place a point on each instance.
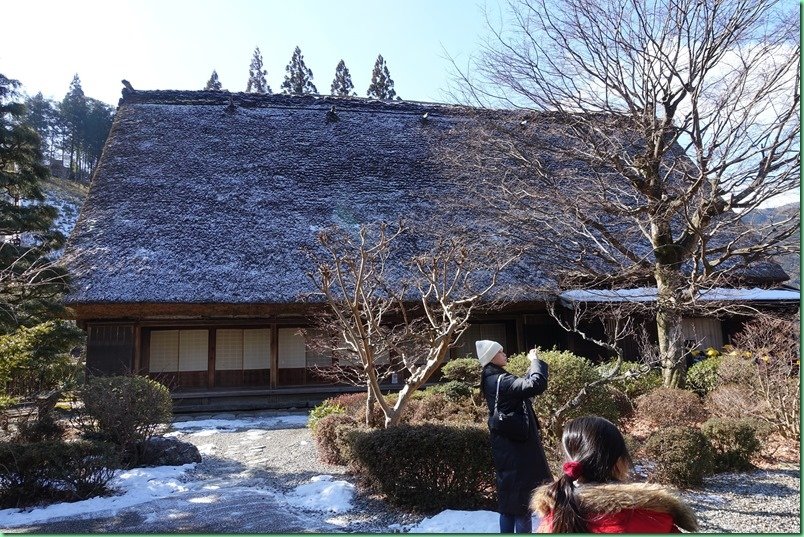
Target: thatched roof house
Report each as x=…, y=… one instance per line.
x=187, y=259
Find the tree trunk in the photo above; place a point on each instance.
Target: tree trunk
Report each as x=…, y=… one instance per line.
x=668, y=327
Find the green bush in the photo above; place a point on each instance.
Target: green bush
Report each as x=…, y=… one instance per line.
x=454, y=390
x=40, y=428
x=436, y=407
x=124, y=410
x=702, y=376
x=665, y=407
x=682, y=456
x=462, y=370
x=54, y=470
x=568, y=374
x=734, y=442
x=635, y=386
x=324, y=409
x=427, y=467
x=325, y=436
x=38, y=359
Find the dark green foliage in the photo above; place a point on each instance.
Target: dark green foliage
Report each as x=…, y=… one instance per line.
x=38, y=359
x=213, y=84
x=57, y=471
x=702, y=376
x=635, y=386
x=664, y=407
x=326, y=439
x=324, y=409
x=734, y=442
x=454, y=390
x=462, y=369
x=298, y=77
x=428, y=467
x=382, y=86
x=124, y=410
x=440, y=408
x=30, y=284
x=342, y=85
x=39, y=428
x=568, y=374
x=256, y=75
x=682, y=456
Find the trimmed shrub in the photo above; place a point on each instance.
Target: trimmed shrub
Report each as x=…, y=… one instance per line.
x=737, y=367
x=734, y=442
x=733, y=401
x=325, y=436
x=568, y=374
x=428, y=467
x=702, y=377
x=40, y=428
x=463, y=370
x=57, y=471
x=682, y=456
x=665, y=407
x=124, y=410
x=324, y=409
x=438, y=408
x=454, y=390
x=635, y=386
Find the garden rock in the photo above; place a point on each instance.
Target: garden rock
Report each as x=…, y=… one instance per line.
x=161, y=451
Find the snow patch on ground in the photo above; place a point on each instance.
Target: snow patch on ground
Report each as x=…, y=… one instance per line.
x=134, y=487
x=321, y=493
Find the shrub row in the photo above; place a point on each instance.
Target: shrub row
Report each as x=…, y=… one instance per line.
x=428, y=466
x=56, y=470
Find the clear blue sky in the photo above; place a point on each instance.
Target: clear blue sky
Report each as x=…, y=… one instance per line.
x=175, y=44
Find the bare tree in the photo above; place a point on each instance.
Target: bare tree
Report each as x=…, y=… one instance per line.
x=411, y=306
x=642, y=133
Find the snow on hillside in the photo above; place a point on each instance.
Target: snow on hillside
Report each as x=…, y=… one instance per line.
x=66, y=196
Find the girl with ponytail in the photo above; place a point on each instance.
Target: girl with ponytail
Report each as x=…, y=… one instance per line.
x=592, y=495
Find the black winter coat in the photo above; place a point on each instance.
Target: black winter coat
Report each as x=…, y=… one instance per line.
x=519, y=467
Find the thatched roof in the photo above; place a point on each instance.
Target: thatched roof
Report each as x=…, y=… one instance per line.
x=194, y=201
x=210, y=198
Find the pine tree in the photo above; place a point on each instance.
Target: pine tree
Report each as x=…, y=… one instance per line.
x=256, y=75
x=74, y=112
x=213, y=84
x=342, y=84
x=29, y=284
x=382, y=87
x=41, y=114
x=298, y=77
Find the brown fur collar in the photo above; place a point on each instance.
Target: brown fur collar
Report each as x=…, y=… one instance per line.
x=612, y=497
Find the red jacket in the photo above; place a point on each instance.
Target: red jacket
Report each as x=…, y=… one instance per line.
x=622, y=508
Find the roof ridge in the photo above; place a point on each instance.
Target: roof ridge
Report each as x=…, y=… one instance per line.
x=256, y=100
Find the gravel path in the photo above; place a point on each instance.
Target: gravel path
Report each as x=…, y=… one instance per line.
x=240, y=487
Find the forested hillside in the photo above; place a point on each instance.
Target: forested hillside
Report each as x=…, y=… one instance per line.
x=791, y=263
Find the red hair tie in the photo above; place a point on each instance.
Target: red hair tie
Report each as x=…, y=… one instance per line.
x=573, y=469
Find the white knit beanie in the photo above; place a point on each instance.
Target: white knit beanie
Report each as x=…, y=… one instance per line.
x=486, y=350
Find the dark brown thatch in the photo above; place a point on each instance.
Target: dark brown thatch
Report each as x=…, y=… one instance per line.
x=211, y=197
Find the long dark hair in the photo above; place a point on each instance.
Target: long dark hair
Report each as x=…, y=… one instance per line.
x=595, y=445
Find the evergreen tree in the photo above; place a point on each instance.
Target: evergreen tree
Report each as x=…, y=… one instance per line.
x=256, y=75
x=382, y=87
x=29, y=283
x=74, y=112
x=213, y=83
x=42, y=115
x=97, y=125
x=342, y=84
x=298, y=77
